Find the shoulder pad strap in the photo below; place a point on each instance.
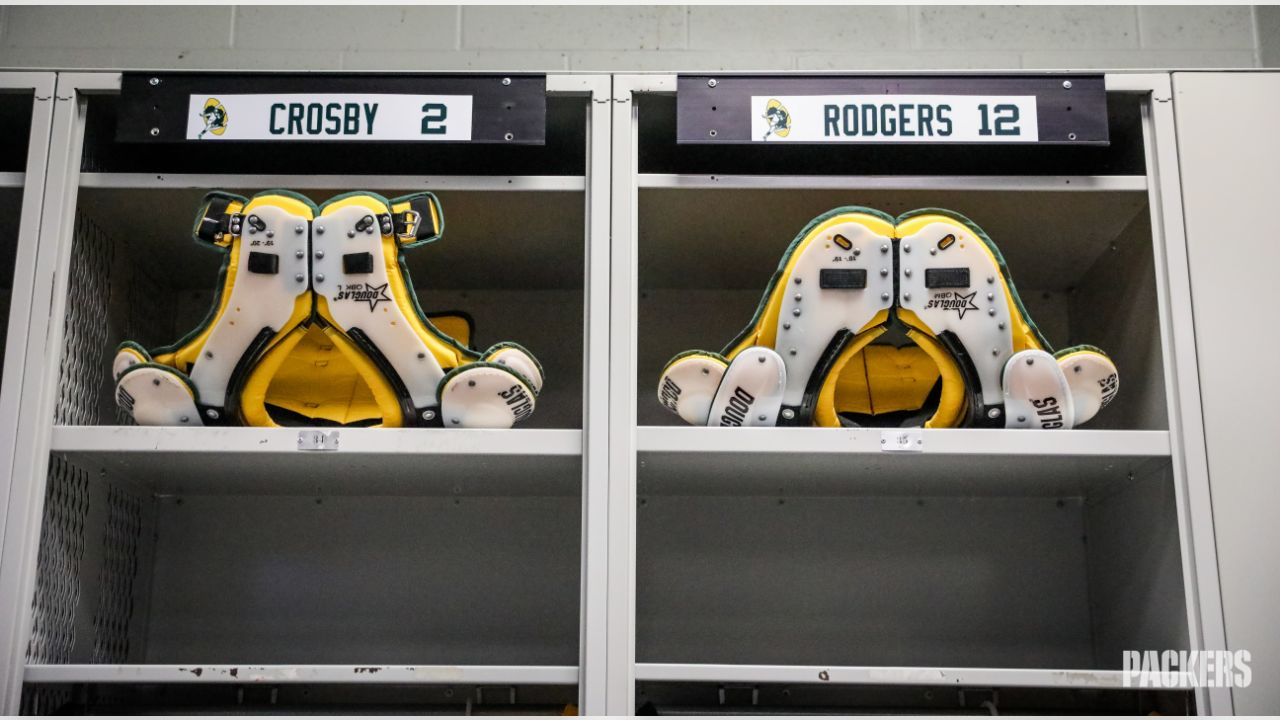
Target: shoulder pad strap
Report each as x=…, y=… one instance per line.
x=418, y=219
x=218, y=217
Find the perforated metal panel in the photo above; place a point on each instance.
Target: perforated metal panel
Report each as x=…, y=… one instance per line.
x=116, y=577
x=84, y=352
x=62, y=543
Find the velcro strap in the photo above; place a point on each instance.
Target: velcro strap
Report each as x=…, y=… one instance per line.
x=264, y=263
x=357, y=263
x=416, y=219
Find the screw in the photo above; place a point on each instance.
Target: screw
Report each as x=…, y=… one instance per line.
x=706, y=371
x=857, y=252
x=933, y=251
x=993, y=413
x=762, y=418
x=211, y=413
x=271, y=233
x=155, y=131
x=991, y=296
x=995, y=352
x=156, y=382
x=712, y=133
x=319, y=254
x=155, y=81
x=509, y=137
x=712, y=82
x=320, y=277
x=1001, y=326
x=789, y=414
x=1076, y=369
x=1071, y=136
x=184, y=419
x=990, y=280
x=506, y=81
x=428, y=414
x=1022, y=418
x=1066, y=84
x=455, y=421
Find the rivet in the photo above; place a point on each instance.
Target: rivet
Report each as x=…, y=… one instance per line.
x=271, y=233
x=793, y=352
x=471, y=383
x=761, y=358
x=455, y=421
x=995, y=352
x=299, y=228
x=155, y=81
x=884, y=248
x=156, y=382
x=789, y=414
x=991, y=312
x=319, y=229
x=1022, y=418
x=1031, y=361
x=368, y=230
x=184, y=419
x=712, y=82
x=509, y=137
x=351, y=233
x=907, y=272
x=786, y=326
x=857, y=252
x=933, y=251
x=428, y=414
x=506, y=81
x=796, y=312
x=906, y=297
x=208, y=354
x=993, y=413
x=211, y=413
x=991, y=296
x=706, y=371
x=906, y=248
x=155, y=131
x=320, y=277
x=884, y=272
x=798, y=297
x=884, y=296
x=1066, y=84
x=797, y=281
x=319, y=254
x=253, y=230
x=1071, y=136
x=1076, y=369
x=299, y=277
x=1001, y=326
x=990, y=280
x=762, y=418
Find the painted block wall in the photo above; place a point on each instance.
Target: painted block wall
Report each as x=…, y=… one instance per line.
x=638, y=38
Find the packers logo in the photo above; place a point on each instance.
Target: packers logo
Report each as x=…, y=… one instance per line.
x=779, y=119
x=214, y=116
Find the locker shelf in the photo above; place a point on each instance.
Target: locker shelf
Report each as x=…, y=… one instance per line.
x=1029, y=183
x=863, y=675
x=368, y=461
x=324, y=182
x=301, y=674
x=714, y=461
x=12, y=179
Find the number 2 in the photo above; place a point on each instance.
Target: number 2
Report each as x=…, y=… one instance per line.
x=1006, y=117
x=433, y=116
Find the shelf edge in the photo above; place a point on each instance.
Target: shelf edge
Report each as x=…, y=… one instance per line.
x=297, y=674
x=876, y=675
x=1029, y=183
x=502, y=183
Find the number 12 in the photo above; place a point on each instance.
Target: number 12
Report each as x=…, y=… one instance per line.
x=1006, y=117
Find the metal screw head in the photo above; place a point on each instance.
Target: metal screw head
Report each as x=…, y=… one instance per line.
x=156, y=382
x=1022, y=418
x=455, y=421
x=994, y=413
x=506, y=81
x=1076, y=369
x=990, y=279
x=884, y=296
x=798, y=297
x=184, y=419
x=368, y=230
x=509, y=137
x=762, y=418
x=208, y=354
x=299, y=254
x=789, y=414
x=299, y=228
x=319, y=229
x=351, y=233
x=320, y=277
x=299, y=277
x=155, y=131
x=1001, y=326
x=884, y=272
x=907, y=272
x=712, y=133
x=991, y=312
x=271, y=233
x=471, y=383
x=786, y=326
x=155, y=81
x=995, y=352
x=428, y=414
x=906, y=248
x=319, y=254
x=884, y=248
x=796, y=312
x=1071, y=136
x=1066, y=84
x=857, y=252
x=797, y=281
x=991, y=296
x=933, y=251
x=706, y=371
x=906, y=297
x=712, y=82
x=211, y=413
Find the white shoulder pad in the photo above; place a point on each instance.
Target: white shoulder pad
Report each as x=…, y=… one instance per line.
x=157, y=396
x=485, y=396
x=1093, y=380
x=519, y=360
x=1036, y=393
x=689, y=384
x=750, y=395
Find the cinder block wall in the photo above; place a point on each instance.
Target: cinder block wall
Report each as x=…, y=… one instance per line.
x=636, y=38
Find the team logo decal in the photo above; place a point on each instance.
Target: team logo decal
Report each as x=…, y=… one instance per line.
x=779, y=119
x=215, y=118
x=364, y=293
x=953, y=301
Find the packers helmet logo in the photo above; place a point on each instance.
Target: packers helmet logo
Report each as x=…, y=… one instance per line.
x=214, y=116
x=779, y=119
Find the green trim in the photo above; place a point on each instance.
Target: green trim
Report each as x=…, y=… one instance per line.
x=1081, y=348
x=355, y=193
x=417, y=308
x=195, y=394
x=208, y=318
x=463, y=368
x=131, y=345
x=995, y=251
x=786, y=257
x=691, y=353
x=502, y=345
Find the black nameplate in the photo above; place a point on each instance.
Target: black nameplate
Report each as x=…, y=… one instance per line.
x=842, y=279
x=264, y=263
x=946, y=277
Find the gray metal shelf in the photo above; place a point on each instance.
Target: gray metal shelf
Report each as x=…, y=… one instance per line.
x=523, y=183
x=299, y=674
x=994, y=183
x=870, y=675
x=12, y=179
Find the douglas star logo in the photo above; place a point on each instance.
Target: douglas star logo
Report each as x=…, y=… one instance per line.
x=364, y=293
x=953, y=301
